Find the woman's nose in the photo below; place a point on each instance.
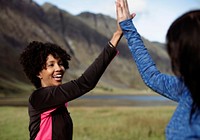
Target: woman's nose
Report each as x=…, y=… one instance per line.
x=58, y=67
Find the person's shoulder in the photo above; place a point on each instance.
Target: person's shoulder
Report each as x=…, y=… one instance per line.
x=37, y=93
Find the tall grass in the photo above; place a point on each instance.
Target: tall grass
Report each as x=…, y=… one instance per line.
x=95, y=123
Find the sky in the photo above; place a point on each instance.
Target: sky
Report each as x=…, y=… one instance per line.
x=153, y=17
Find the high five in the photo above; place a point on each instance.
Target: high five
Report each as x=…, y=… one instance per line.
x=184, y=50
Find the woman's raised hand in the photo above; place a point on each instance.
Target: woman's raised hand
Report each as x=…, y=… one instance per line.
x=122, y=11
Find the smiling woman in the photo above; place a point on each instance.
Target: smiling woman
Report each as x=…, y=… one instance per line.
x=53, y=73
x=45, y=64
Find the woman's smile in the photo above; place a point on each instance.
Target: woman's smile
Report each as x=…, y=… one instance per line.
x=58, y=77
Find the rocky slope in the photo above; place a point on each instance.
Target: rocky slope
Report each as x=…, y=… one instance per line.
x=83, y=36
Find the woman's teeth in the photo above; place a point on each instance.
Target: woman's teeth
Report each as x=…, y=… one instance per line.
x=57, y=76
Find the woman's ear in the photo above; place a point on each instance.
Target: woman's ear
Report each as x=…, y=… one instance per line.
x=39, y=76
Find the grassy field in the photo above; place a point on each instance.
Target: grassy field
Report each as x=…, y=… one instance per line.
x=95, y=123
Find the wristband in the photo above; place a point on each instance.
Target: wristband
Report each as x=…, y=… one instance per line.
x=110, y=44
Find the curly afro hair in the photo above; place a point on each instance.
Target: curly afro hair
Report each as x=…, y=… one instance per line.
x=34, y=57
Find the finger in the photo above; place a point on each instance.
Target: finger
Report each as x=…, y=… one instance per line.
x=126, y=7
x=133, y=15
x=117, y=3
x=121, y=3
x=118, y=9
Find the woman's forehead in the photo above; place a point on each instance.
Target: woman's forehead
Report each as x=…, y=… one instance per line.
x=50, y=58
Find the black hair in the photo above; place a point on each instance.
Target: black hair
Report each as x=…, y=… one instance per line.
x=184, y=49
x=34, y=57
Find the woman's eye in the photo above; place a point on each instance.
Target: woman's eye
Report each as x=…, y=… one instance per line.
x=60, y=63
x=50, y=65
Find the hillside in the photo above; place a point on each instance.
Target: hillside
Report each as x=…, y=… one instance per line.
x=83, y=36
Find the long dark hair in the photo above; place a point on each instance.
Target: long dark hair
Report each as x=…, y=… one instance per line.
x=183, y=44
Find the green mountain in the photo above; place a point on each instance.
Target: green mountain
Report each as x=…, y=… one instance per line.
x=83, y=36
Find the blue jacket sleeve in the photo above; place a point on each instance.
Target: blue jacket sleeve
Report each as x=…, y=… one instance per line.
x=166, y=85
